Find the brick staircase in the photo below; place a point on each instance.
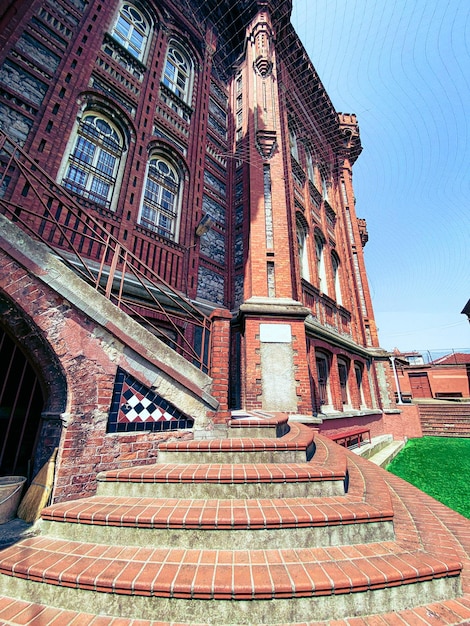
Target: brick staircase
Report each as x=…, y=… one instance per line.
x=272, y=524
x=445, y=419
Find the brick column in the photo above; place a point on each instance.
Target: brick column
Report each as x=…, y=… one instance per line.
x=220, y=362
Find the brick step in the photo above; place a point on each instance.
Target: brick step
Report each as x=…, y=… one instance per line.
x=447, y=419
x=219, y=480
x=57, y=572
x=444, y=418
x=461, y=427
x=464, y=415
x=457, y=407
x=260, y=524
x=429, y=424
x=18, y=612
x=296, y=445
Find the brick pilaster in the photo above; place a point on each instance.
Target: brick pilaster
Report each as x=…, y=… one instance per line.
x=220, y=361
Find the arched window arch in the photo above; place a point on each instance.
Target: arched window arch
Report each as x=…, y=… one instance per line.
x=321, y=270
x=162, y=196
x=335, y=264
x=302, y=235
x=93, y=163
x=132, y=30
x=178, y=72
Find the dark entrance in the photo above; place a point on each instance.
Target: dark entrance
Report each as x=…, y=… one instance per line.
x=21, y=404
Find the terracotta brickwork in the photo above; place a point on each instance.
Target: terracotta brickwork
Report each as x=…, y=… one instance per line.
x=87, y=359
x=231, y=181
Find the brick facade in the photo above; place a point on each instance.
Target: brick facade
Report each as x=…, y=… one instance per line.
x=202, y=115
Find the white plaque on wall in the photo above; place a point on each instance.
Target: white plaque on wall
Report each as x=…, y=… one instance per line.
x=275, y=333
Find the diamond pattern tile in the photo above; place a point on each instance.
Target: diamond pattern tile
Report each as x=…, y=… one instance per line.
x=136, y=407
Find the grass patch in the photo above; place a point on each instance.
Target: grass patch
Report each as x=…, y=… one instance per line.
x=440, y=467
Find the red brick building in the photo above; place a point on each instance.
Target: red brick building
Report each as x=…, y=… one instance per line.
x=198, y=140
x=447, y=377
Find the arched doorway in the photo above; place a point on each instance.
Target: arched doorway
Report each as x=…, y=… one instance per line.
x=33, y=393
x=21, y=405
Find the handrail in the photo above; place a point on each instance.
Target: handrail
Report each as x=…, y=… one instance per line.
x=48, y=213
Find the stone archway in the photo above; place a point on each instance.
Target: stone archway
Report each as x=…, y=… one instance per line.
x=33, y=393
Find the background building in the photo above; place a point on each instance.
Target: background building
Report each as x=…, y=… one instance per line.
x=183, y=159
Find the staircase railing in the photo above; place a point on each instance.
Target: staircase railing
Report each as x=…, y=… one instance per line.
x=48, y=213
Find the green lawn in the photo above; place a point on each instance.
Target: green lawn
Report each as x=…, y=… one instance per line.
x=439, y=466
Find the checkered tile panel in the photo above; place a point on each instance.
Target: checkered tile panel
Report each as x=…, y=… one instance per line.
x=136, y=407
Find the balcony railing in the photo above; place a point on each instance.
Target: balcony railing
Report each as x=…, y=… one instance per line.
x=48, y=213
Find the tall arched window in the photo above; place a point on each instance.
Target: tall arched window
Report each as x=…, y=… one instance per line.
x=132, y=30
x=177, y=75
x=294, y=148
x=310, y=166
x=359, y=373
x=302, y=249
x=343, y=372
x=335, y=265
x=319, y=249
x=93, y=163
x=323, y=379
x=160, y=203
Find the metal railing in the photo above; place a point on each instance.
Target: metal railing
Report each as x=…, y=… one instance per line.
x=48, y=213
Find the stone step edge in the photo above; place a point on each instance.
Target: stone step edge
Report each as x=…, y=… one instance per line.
x=169, y=513
x=221, y=473
x=194, y=574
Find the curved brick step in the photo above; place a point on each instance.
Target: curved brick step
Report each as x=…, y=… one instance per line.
x=363, y=515
x=284, y=523
x=219, y=480
x=18, y=612
x=373, y=575
x=296, y=445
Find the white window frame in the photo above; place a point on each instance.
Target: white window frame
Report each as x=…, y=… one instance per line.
x=321, y=268
x=132, y=30
x=302, y=237
x=136, y=38
x=335, y=264
x=294, y=148
x=359, y=367
x=160, y=207
x=92, y=163
x=176, y=77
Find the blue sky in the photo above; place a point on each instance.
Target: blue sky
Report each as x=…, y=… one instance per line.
x=404, y=68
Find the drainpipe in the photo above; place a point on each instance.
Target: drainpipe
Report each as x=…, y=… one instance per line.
x=392, y=359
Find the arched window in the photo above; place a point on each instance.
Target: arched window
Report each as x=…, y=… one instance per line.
x=160, y=203
x=132, y=30
x=336, y=279
x=359, y=373
x=310, y=165
x=294, y=148
x=343, y=371
x=178, y=72
x=302, y=249
x=319, y=249
x=323, y=378
x=93, y=163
